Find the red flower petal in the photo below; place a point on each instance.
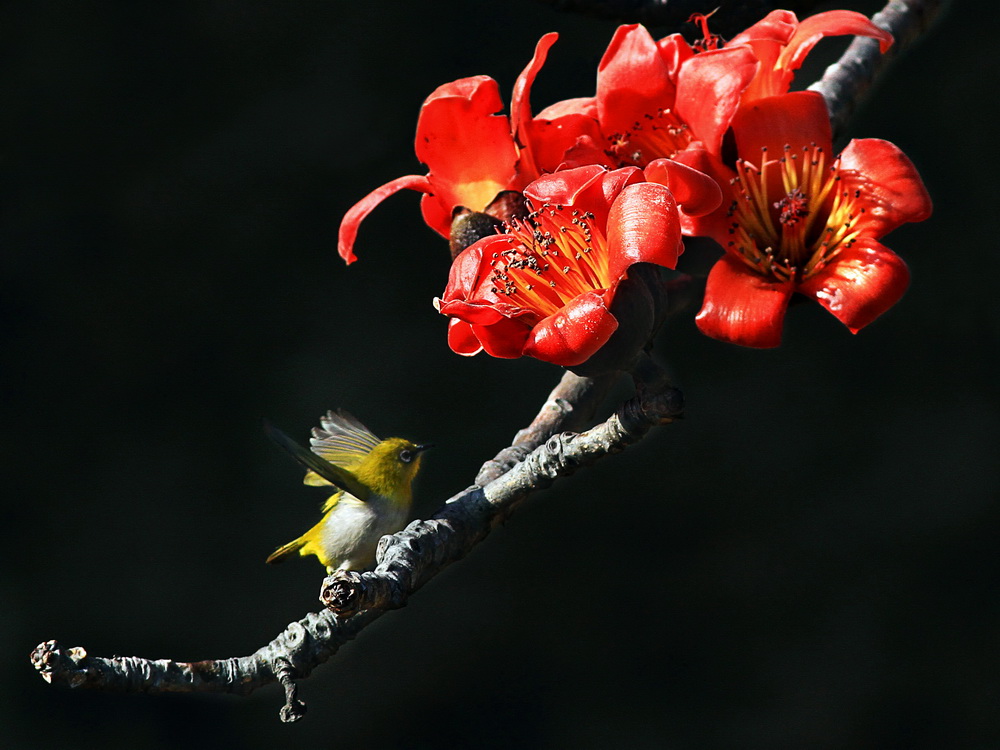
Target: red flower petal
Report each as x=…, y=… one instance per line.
x=566, y=134
x=643, y=227
x=461, y=339
x=777, y=26
x=743, y=307
x=891, y=191
x=709, y=87
x=356, y=214
x=467, y=147
x=695, y=192
x=860, y=284
x=675, y=51
x=830, y=23
x=505, y=338
x=520, y=103
x=570, y=336
x=632, y=80
x=782, y=43
x=715, y=224
x=466, y=272
x=582, y=105
x=767, y=38
x=590, y=188
x=797, y=120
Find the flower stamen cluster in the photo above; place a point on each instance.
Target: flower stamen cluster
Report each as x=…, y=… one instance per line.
x=792, y=238
x=550, y=260
x=662, y=135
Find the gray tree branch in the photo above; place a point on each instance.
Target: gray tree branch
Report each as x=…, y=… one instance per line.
x=407, y=559
x=845, y=83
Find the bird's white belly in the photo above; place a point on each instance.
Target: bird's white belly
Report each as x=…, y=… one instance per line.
x=351, y=533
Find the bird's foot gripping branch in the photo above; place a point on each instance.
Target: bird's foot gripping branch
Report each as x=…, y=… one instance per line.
x=406, y=560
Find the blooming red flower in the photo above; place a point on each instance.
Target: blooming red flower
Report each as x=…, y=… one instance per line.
x=654, y=99
x=799, y=220
x=471, y=152
x=781, y=43
x=545, y=287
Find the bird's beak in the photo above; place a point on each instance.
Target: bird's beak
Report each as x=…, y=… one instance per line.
x=422, y=448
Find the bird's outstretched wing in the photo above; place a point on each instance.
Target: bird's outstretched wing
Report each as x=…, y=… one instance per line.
x=342, y=440
x=330, y=473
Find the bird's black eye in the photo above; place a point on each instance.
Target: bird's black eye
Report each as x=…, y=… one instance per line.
x=406, y=455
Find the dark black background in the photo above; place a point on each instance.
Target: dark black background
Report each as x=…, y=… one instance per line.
x=809, y=559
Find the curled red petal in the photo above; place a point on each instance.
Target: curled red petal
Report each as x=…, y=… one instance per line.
x=709, y=87
x=743, y=307
x=798, y=120
x=461, y=338
x=643, y=227
x=466, y=273
x=356, y=214
x=768, y=38
x=696, y=193
x=467, y=146
x=715, y=224
x=777, y=26
x=830, y=23
x=675, y=51
x=890, y=189
x=476, y=313
x=860, y=284
x=570, y=336
x=520, y=103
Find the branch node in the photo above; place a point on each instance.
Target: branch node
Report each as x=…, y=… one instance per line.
x=53, y=662
x=294, y=709
x=342, y=591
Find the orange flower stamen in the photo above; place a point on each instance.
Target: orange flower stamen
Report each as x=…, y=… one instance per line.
x=661, y=135
x=554, y=257
x=811, y=222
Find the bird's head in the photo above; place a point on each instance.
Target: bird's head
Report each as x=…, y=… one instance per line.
x=390, y=467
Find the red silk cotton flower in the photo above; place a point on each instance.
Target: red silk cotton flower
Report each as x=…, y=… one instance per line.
x=471, y=152
x=802, y=221
x=546, y=287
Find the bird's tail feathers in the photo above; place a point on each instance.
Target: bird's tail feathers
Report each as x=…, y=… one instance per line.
x=285, y=550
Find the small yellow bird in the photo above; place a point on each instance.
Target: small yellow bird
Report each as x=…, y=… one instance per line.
x=373, y=478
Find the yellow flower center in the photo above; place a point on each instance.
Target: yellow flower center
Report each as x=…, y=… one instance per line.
x=554, y=256
x=659, y=135
x=793, y=237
